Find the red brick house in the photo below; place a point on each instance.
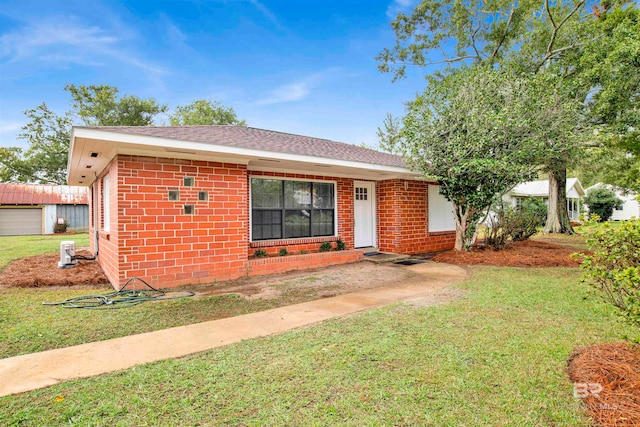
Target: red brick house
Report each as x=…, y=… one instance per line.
x=180, y=205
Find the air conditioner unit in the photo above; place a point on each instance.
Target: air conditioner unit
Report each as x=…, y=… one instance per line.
x=67, y=254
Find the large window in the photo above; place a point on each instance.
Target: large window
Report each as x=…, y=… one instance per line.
x=285, y=209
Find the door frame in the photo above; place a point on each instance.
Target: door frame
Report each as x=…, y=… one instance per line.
x=374, y=217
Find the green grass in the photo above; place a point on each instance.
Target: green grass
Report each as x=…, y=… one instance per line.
x=26, y=326
x=16, y=247
x=496, y=357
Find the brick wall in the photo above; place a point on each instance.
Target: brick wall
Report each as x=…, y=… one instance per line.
x=108, y=248
x=153, y=238
x=403, y=219
x=161, y=243
x=277, y=265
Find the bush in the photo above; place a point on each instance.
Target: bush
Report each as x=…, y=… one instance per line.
x=325, y=246
x=283, y=252
x=536, y=207
x=614, y=266
x=601, y=202
x=60, y=228
x=260, y=253
x=510, y=224
x=340, y=245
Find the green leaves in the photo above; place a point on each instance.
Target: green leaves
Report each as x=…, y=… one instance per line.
x=45, y=161
x=48, y=134
x=474, y=132
x=100, y=106
x=601, y=202
x=479, y=32
x=205, y=112
x=613, y=268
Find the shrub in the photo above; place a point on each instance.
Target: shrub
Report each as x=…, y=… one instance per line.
x=535, y=207
x=303, y=252
x=510, y=224
x=325, y=246
x=283, y=252
x=60, y=228
x=340, y=245
x=260, y=253
x=496, y=234
x=614, y=266
x=601, y=202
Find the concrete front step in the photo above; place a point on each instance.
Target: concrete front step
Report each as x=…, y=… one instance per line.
x=383, y=258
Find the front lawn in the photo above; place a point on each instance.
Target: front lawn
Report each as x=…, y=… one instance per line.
x=17, y=247
x=27, y=326
x=495, y=357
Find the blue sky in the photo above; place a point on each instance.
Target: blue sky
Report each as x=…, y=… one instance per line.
x=303, y=67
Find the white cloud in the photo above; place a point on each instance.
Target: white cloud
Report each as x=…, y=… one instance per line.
x=267, y=13
x=287, y=93
x=295, y=91
x=7, y=126
x=174, y=34
x=55, y=32
x=63, y=40
x=398, y=6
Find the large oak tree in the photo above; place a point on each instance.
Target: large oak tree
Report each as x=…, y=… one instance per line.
x=533, y=37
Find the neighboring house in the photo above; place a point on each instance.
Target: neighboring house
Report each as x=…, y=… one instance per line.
x=630, y=207
x=178, y=205
x=35, y=209
x=540, y=189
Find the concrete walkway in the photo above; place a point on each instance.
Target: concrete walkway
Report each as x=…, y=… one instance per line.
x=37, y=370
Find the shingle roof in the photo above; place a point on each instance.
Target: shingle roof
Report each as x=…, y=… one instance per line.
x=262, y=139
x=37, y=194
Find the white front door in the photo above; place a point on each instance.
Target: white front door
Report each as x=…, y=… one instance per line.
x=364, y=214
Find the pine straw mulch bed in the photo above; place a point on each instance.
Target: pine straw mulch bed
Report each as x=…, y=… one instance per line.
x=615, y=367
x=528, y=253
x=42, y=271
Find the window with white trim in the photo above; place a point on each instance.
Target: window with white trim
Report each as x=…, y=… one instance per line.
x=282, y=209
x=106, y=208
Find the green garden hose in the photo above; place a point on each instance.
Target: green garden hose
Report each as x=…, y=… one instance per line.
x=122, y=298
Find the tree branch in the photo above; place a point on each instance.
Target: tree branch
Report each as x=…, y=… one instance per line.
x=444, y=61
x=473, y=42
x=554, y=52
x=557, y=27
x=504, y=35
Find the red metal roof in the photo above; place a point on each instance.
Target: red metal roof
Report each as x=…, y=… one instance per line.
x=38, y=194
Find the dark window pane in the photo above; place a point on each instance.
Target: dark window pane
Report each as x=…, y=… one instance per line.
x=296, y=223
x=266, y=193
x=297, y=195
x=322, y=195
x=266, y=224
x=323, y=222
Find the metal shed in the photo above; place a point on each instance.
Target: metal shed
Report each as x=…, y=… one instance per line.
x=35, y=208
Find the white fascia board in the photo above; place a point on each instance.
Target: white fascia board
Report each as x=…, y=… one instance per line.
x=227, y=150
x=71, y=146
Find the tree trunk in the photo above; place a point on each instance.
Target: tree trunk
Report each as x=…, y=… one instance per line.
x=557, y=214
x=461, y=228
x=464, y=241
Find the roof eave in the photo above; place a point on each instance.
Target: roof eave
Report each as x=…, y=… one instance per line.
x=183, y=146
